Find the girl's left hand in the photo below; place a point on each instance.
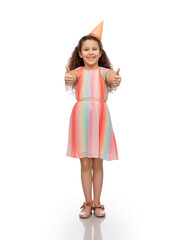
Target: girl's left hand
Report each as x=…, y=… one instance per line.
x=116, y=79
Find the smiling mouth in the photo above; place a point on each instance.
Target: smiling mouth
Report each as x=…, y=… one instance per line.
x=91, y=58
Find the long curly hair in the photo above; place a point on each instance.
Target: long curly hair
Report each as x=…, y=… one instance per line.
x=76, y=61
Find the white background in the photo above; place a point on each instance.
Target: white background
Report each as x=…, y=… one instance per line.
x=40, y=187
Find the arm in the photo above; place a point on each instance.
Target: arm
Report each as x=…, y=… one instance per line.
x=74, y=74
x=113, y=78
x=70, y=76
x=109, y=77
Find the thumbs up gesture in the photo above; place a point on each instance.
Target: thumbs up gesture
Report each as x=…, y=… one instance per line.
x=70, y=77
x=116, y=79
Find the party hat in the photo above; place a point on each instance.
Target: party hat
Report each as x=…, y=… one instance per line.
x=97, y=32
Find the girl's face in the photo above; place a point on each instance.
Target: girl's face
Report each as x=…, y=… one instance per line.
x=90, y=53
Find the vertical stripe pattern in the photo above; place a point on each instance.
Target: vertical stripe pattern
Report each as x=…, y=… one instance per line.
x=90, y=128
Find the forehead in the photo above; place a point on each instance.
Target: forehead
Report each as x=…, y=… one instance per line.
x=90, y=43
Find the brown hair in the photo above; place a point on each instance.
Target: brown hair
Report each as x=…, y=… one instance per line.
x=76, y=61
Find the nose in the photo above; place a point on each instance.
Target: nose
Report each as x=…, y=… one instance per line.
x=90, y=51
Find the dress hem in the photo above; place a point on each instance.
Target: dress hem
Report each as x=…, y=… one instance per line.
x=106, y=159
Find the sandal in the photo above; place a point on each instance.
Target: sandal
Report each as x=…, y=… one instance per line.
x=98, y=210
x=87, y=213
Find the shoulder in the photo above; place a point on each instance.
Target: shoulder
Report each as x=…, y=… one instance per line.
x=78, y=71
x=78, y=68
x=104, y=71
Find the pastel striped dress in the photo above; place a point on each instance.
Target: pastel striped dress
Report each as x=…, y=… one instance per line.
x=90, y=127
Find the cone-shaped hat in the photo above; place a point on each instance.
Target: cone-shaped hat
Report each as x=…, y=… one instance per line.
x=97, y=32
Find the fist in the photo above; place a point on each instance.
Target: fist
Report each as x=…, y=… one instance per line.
x=69, y=77
x=116, y=79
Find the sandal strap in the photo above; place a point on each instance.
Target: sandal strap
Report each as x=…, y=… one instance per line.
x=96, y=205
x=86, y=204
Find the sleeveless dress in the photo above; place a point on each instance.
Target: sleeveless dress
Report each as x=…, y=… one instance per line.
x=90, y=127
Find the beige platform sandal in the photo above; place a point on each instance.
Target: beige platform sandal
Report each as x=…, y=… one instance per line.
x=98, y=210
x=87, y=213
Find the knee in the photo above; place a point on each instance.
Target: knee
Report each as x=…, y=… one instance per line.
x=86, y=164
x=98, y=164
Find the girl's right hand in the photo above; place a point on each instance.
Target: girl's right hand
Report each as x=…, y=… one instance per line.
x=70, y=77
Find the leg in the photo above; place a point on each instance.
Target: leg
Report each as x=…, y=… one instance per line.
x=97, y=186
x=86, y=177
x=97, y=178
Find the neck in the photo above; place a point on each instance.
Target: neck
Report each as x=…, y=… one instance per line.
x=91, y=67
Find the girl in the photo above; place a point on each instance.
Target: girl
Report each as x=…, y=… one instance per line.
x=91, y=136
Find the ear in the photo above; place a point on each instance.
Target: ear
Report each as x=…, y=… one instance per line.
x=80, y=54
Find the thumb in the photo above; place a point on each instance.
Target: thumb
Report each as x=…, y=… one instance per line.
x=117, y=72
x=67, y=68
